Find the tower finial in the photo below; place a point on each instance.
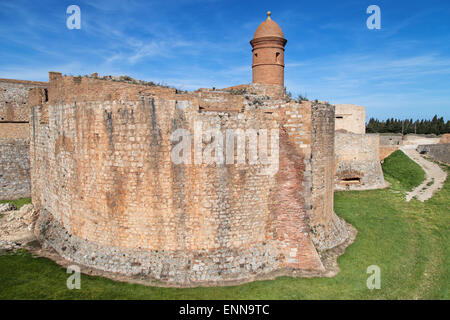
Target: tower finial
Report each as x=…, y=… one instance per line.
x=268, y=15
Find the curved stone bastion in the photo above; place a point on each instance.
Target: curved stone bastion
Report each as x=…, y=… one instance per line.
x=114, y=195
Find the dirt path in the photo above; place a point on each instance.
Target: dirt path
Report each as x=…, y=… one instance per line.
x=434, y=179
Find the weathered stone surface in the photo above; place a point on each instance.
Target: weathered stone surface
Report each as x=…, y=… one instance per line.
x=14, y=169
x=7, y=207
x=440, y=152
x=351, y=118
x=9, y=246
x=358, y=166
x=413, y=140
x=357, y=154
x=328, y=230
x=110, y=196
x=14, y=99
x=14, y=137
x=388, y=145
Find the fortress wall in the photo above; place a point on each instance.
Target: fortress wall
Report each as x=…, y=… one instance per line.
x=439, y=152
x=358, y=162
x=13, y=99
x=291, y=204
x=413, y=140
x=104, y=173
x=388, y=145
x=14, y=138
x=111, y=196
x=351, y=118
x=14, y=168
x=394, y=140
x=272, y=90
x=78, y=89
x=328, y=229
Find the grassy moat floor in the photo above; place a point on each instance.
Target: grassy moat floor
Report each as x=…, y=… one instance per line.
x=409, y=241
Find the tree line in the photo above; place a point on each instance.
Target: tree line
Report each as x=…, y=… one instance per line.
x=435, y=126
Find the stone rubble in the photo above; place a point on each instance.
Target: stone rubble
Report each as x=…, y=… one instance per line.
x=16, y=227
x=7, y=207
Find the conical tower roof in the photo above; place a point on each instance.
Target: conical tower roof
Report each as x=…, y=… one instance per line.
x=268, y=28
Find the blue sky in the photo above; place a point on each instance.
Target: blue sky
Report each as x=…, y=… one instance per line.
x=401, y=70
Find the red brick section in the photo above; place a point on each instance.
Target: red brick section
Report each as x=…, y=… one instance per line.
x=292, y=223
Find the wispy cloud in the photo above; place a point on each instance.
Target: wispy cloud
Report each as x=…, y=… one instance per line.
x=204, y=43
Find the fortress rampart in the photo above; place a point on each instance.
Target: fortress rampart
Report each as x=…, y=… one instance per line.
x=388, y=145
x=439, y=152
x=14, y=137
x=350, y=118
x=14, y=99
x=14, y=168
x=358, y=162
x=111, y=196
x=357, y=154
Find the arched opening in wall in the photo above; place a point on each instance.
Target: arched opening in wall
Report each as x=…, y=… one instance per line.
x=276, y=56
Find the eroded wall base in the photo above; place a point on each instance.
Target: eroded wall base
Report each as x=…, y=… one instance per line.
x=179, y=268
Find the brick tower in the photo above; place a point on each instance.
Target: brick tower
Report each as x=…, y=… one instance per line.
x=268, y=53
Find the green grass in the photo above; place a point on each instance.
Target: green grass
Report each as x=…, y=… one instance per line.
x=409, y=241
x=18, y=202
x=399, y=167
